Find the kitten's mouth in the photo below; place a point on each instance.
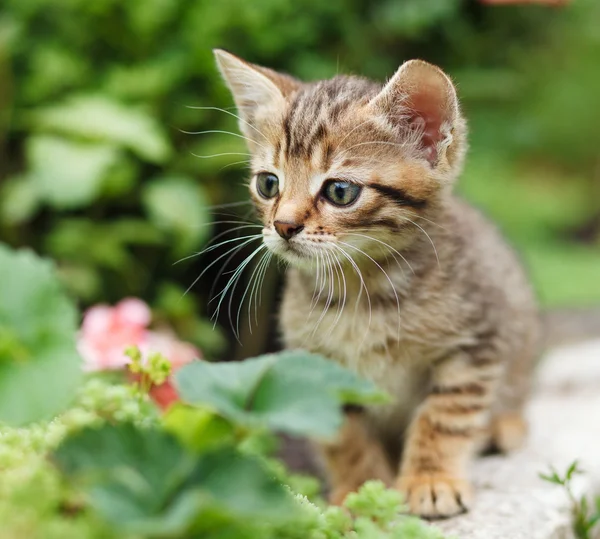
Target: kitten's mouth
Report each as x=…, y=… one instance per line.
x=292, y=248
x=293, y=251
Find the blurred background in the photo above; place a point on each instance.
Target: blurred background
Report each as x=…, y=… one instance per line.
x=98, y=170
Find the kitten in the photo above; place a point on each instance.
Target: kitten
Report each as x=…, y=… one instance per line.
x=391, y=274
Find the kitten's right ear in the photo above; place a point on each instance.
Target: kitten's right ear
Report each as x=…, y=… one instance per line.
x=422, y=98
x=255, y=89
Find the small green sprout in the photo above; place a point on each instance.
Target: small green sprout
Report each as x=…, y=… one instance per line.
x=152, y=372
x=584, y=518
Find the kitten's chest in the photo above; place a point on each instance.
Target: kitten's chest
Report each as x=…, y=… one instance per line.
x=367, y=339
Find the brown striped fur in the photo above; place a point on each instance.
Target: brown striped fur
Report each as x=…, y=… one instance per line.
x=408, y=285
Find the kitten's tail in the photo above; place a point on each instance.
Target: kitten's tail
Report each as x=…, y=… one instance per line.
x=567, y=326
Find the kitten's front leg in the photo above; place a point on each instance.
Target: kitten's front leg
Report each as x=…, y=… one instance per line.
x=354, y=457
x=444, y=435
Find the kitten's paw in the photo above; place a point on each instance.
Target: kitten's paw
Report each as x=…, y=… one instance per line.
x=509, y=430
x=338, y=495
x=435, y=495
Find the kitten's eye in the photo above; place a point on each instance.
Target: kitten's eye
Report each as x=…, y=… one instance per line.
x=267, y=184
x=341, y=193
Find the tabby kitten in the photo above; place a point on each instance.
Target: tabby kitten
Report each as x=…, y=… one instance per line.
x=389, y=273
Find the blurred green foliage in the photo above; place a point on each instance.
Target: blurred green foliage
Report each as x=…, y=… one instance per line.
x=99, y=170
x=37, y=340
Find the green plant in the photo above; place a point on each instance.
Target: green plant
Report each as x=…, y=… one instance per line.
x=154, y=371
x=585, y=518
x=35, y=499
x=117, y=468
x=206, y=471
x=39, y=365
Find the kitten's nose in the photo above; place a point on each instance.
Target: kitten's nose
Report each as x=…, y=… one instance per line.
x=287, y=229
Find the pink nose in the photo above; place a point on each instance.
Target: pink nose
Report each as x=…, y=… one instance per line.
x=287, y=229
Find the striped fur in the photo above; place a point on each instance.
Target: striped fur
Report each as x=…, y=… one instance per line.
x=407, y=285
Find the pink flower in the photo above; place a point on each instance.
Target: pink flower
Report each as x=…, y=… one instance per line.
x=179, y=353
x=106, y=332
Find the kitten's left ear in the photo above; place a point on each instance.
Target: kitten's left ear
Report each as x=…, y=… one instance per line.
x=257, y=91
x=420, y=97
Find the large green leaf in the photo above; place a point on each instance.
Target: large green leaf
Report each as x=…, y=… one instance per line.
x=102, y=119
x=295, y=391
x=239, y=483
x=39, y=365
x=69, y=174
x=144, y=481
x=130, y=475
x=177, y=204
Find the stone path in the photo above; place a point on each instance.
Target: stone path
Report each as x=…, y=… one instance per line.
x=564, y=414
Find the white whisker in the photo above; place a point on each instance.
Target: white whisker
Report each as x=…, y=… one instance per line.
x=229, y=204
x=258, y=294
x=216, y=246
x=235, y=116
x=232, y=282
x=386, y=276
x=386, y=245
x=220, y=155
x=236, y=163
x=220, y=131
x=429, y=238
x=249, y=284
x=329, y=294
x=233, y=249
x=341, y=286
x=430, y=221
x=363, y=285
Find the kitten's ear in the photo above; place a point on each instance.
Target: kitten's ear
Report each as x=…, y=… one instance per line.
x=420, y=97
x=254, y=88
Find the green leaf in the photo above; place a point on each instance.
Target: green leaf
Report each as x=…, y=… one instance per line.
x=19, y=200
x=82, y=280
x=197, y=428
x=122, y=179
x=226, y=387
x=144, y=481
x=53, y=69
x=135, y=231
x=290, y=401
x=349, y=387
x=39, y=365
x=129, y=474
x=70, y=240
x=593, y=520
x=573, y=470
x=552, y=478
x=68, y=174
x=295, y=392
x=239, y=483
x=177, y=204
x=100, y=118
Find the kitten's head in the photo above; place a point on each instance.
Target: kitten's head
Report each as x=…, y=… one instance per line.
x=346, y=165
